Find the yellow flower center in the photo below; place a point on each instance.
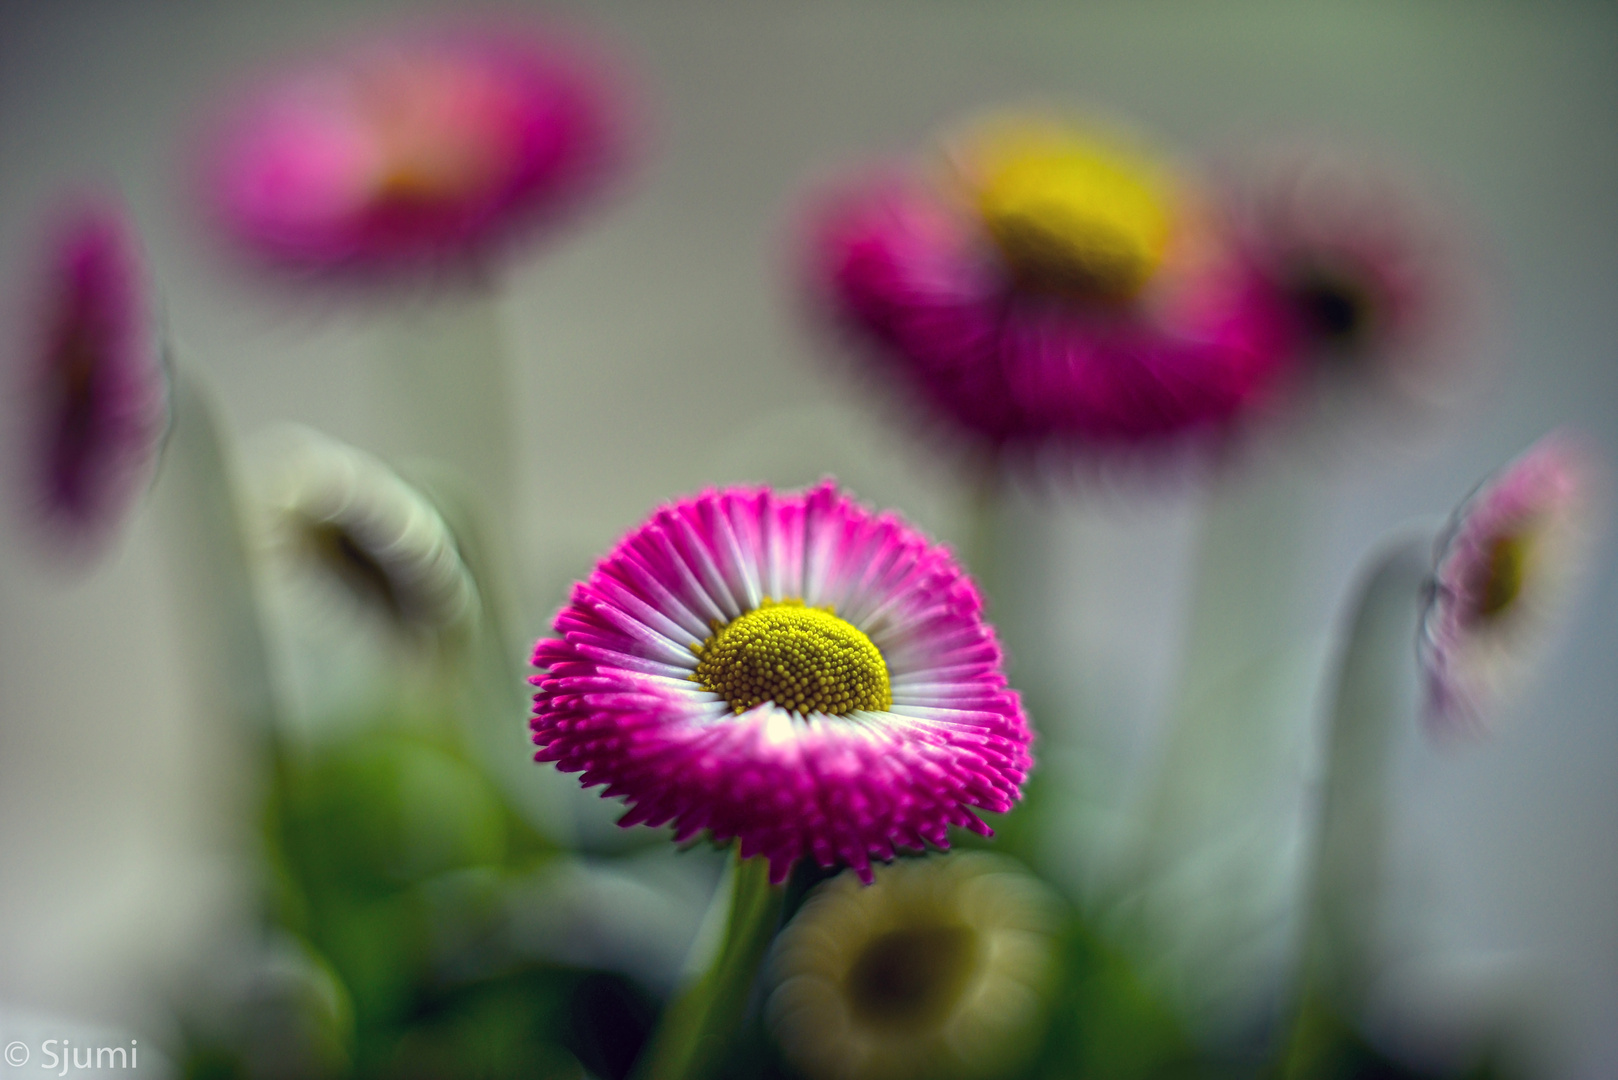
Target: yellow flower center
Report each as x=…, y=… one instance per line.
x=1503, y=573
x=912, y=977
x=1070, y=215
x=802, y=658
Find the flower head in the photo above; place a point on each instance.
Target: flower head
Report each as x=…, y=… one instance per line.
x=93, y=390
x=414, y=149
x=1503, y=571
x=1056, y=287
x=348, y=518
x=1366, y=279
x=941, y=968
x=792, y=670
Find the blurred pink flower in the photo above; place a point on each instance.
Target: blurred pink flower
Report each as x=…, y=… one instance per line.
x=792, y=670
x=93, y=392
x=1054, y=287
x=421, y=148
x=1367, y=277
x=1503, y=572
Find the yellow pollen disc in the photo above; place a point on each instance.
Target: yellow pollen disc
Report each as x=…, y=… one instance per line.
x=1070, y=214
x=804, y=659
x=1505, y=571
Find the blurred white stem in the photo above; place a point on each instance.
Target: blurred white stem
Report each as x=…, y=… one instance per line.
x=443, y=391
x=213, y=584
x=1224, y=728
x=1371, y=702
x=233, y=735
x=1212, y=883
x=444, y=383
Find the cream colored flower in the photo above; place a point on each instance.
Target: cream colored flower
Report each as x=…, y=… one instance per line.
x=341, y=517
x=941, y=968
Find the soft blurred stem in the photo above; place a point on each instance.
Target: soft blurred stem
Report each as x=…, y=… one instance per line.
x=487, y=687
x=443, y=391
x=218, y=614
x=1206, y=866
x=444, y=381
x=1370, y=704
x=212, y=580
x=985, y=518
x=696, y=1028
x=1004, y=549
x=1221, y=733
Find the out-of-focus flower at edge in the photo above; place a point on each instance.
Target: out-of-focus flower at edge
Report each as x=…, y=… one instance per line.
x=90, y=391
x=421, y=149
x=339, y=518
x=790, y=669
x=1367, y=277
x=1503, y=572
x=1054, y=286
x=943, y=967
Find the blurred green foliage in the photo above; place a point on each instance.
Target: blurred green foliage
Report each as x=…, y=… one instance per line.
x=393, y=863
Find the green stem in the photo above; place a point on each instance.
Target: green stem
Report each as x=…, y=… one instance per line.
x=691, y=1040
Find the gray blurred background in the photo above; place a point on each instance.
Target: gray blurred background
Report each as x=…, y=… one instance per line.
x=663, y=347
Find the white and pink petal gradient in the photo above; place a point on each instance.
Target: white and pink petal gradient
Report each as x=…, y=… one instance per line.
x=91, y=390
x=1503, y=572
x=423, y=148
x=617, y=701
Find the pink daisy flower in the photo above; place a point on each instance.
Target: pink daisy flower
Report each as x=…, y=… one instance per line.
x=1503, y=572
x=414, y=149
x=93, y=389
x=1052, y=287
x=790, y=670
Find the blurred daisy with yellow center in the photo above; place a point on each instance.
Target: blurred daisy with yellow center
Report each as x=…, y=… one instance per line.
x=941, y=968
x=1505, y=570
x=1054, y=286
